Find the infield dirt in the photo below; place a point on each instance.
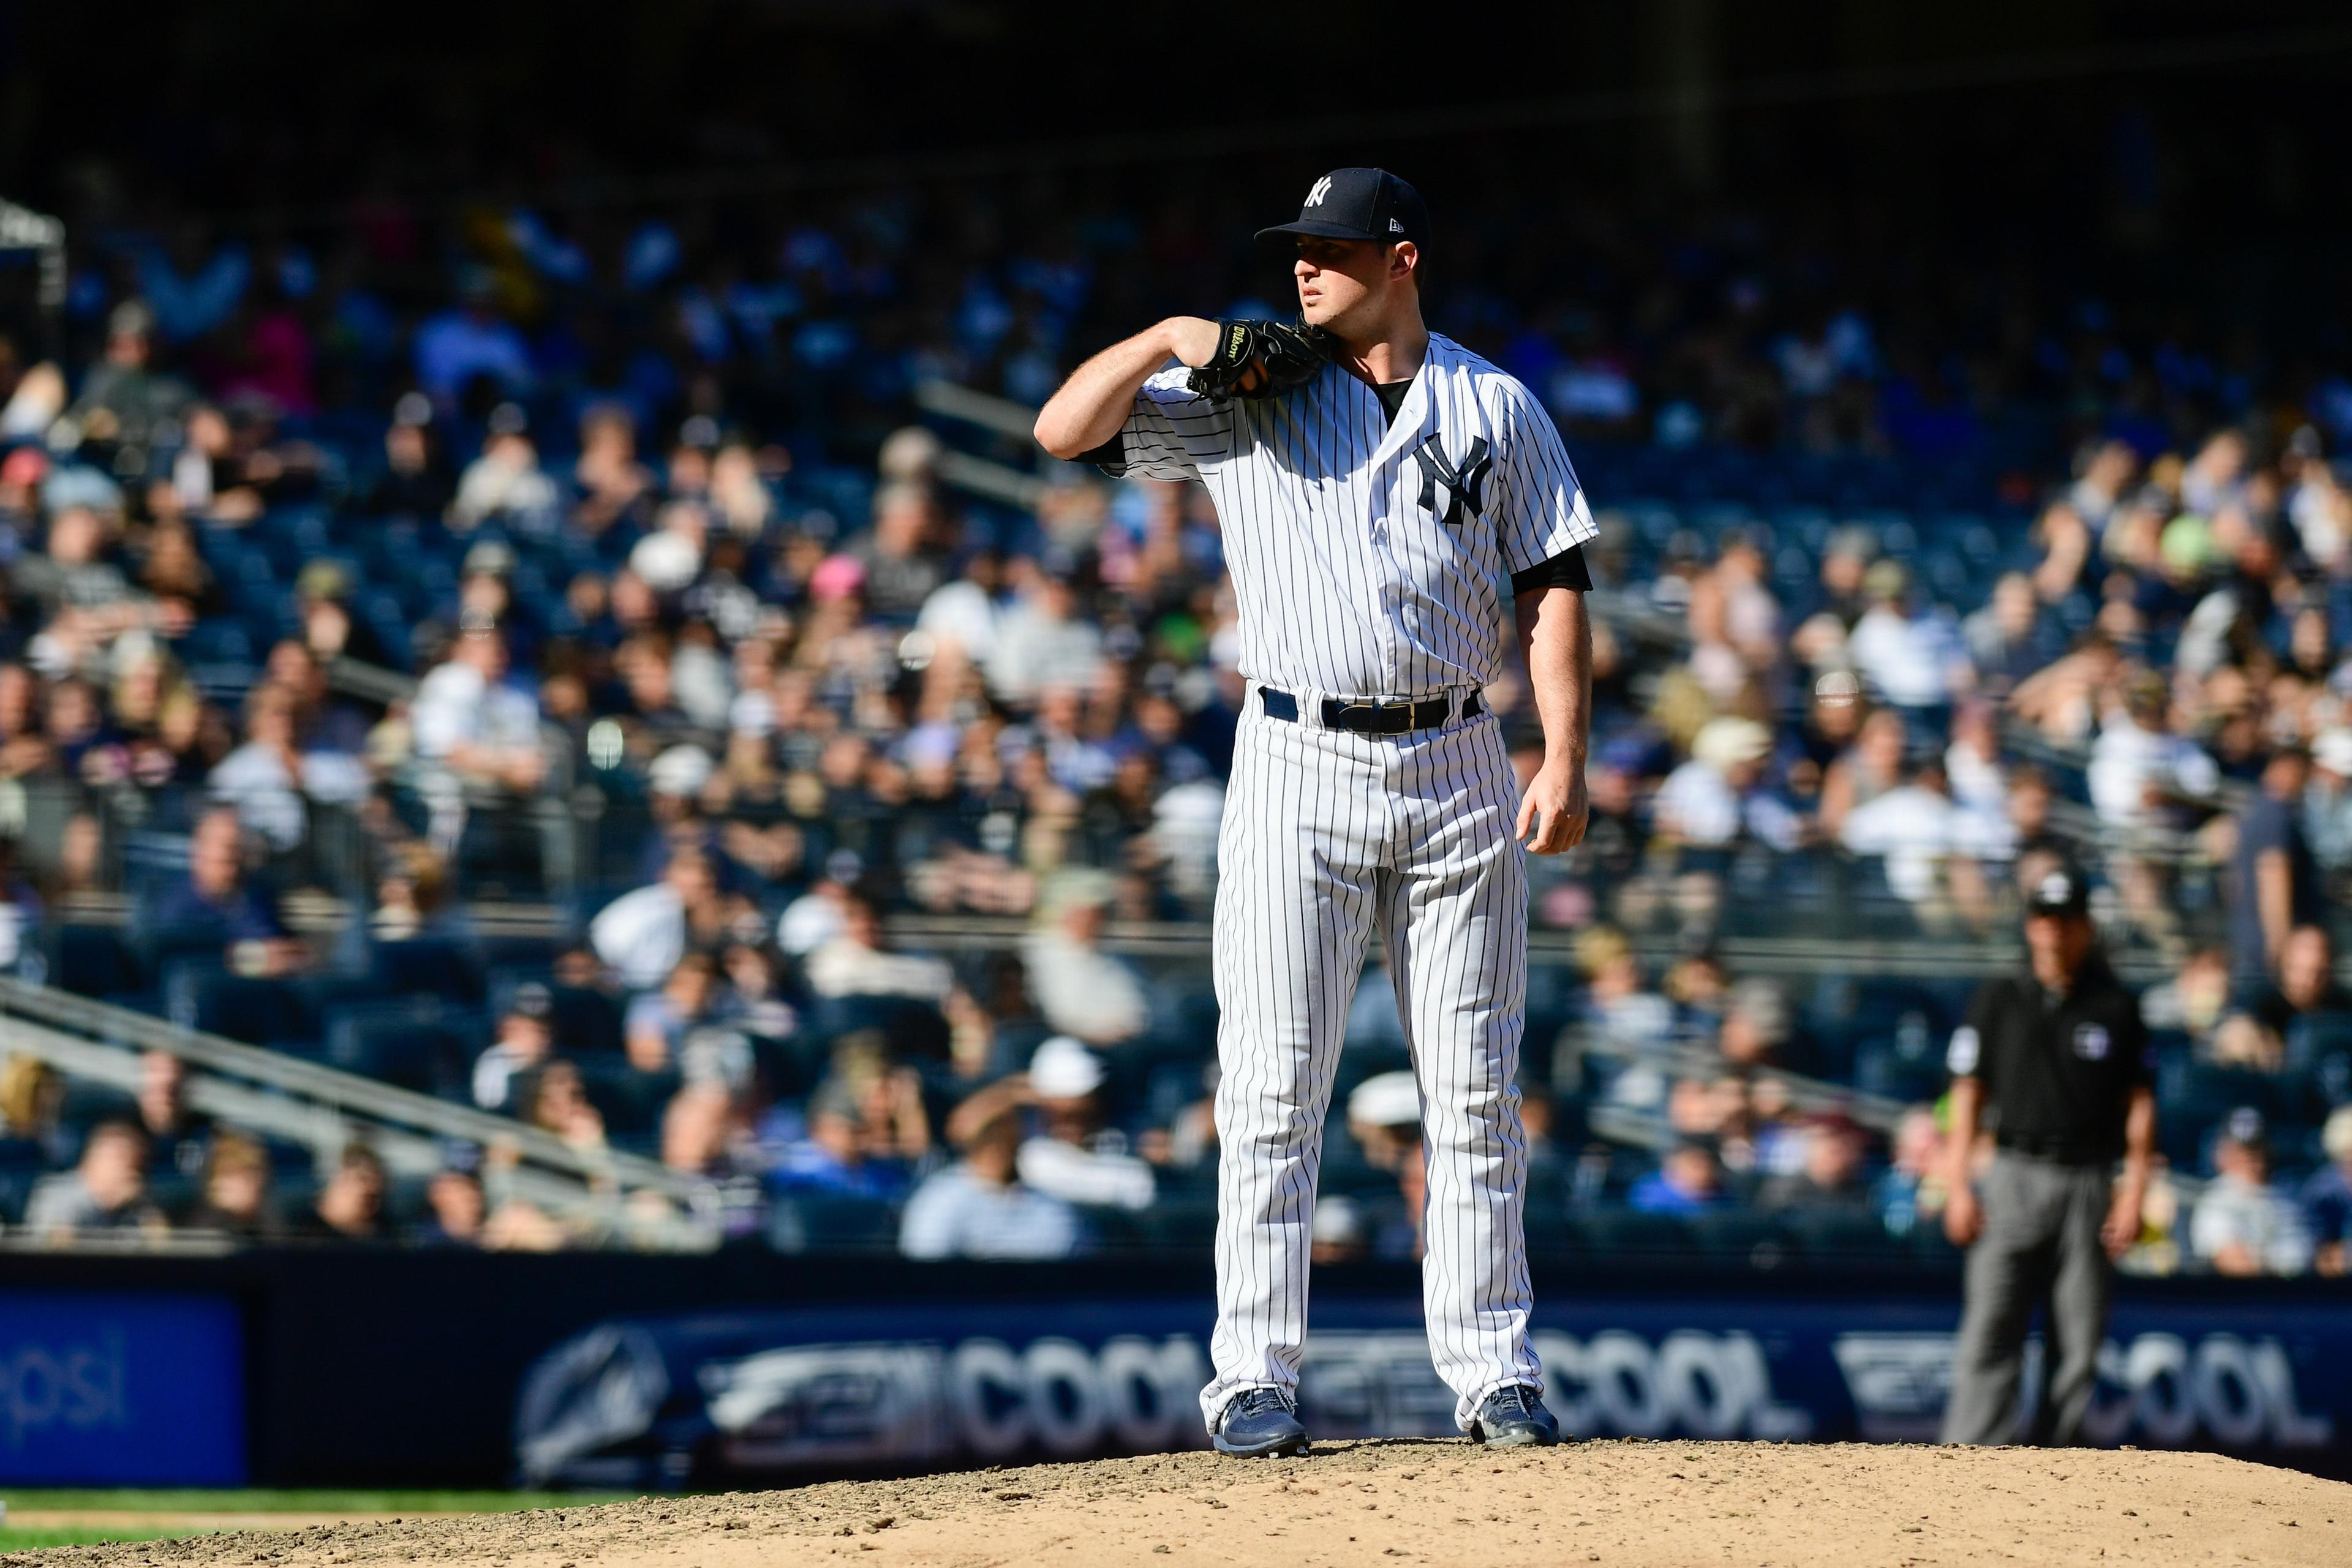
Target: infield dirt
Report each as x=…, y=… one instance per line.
x=1663, y=1503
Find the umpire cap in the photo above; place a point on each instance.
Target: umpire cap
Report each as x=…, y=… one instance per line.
x=2061, y=890
x=1358, y=204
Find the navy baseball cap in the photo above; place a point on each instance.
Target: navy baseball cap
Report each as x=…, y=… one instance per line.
x=1358, y=204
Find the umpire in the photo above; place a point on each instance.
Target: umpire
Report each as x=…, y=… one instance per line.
x=2060, y=1053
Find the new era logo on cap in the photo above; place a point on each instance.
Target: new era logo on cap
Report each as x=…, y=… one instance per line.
x=1358, y=204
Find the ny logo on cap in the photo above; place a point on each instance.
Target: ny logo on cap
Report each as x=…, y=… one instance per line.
x=1322, y=188
x=1464, y=486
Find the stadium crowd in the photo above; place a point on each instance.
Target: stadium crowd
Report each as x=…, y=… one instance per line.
x=691, y=640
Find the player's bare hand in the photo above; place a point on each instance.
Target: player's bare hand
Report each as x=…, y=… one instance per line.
x=2123, y=1222
x=1553, y=812
x=1963, y=1217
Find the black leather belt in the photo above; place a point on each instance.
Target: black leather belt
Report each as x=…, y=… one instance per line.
x=1371, y=715
x=2057, y=1151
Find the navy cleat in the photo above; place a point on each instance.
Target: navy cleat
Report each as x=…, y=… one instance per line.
x=1257, y=1422
x=1514, y=1418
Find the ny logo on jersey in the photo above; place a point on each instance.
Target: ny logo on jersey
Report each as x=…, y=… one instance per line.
x=1464, y=486
x=1322, y=188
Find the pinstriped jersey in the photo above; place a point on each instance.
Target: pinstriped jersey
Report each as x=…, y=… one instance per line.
x=1371, y=558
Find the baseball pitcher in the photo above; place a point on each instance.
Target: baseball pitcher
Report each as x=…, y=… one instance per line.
x=1391, y=503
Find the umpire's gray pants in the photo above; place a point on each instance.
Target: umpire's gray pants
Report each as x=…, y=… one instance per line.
x=2040, y=1246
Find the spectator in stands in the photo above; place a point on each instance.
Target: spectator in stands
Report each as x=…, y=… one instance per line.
x=124, y=397
x=979, y=1207
x=1864, y=769
x=2273, y=885
x=1755, y=1024
x=468, y=342
x=642, y=934
x=1911, y=1194
x=235, y=1199
x=216, y=904
x=2005, y=639
x=1082, y=991
x=2306, y=994
x=867, y=1130
x=177, y=1136
x=555, y=1101
x=2327, y=800
x=903, y=564
x=1688, y=1180
x=2241, y=1223
x=1074, y=1155
x=269, y=779
x=524, y=1042
x=350, y=1207
x=1617, y=1002
x=456, y=1208
x=105, y=1192
x=1340, y=1231
x=1385, y=1119
x=2141, y=770
x=857, y=962
x=1912, y=830
x=1719, y=796
x=473, y=729
x=1833, y=1174
x=1045, y=640
x=32, y=1093
x=692, y=997
x=2326, y=1197
x=1910, y=655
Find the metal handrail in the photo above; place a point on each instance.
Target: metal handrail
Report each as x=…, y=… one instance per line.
x=326, y=1132
x=343, y=1091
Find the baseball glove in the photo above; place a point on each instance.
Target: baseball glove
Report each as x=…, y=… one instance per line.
x=1262, y=359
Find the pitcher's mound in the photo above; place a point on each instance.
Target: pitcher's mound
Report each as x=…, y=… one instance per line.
x=1672, y=1504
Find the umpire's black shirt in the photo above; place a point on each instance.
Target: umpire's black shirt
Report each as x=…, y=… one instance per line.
x=2059, y=1071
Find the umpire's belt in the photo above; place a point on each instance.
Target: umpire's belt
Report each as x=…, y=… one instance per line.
x=1373, y=715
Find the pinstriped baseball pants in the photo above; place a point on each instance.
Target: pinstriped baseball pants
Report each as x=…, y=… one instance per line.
x=1330, y=838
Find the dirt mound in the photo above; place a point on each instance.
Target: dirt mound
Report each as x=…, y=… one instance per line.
x=1425, y=1502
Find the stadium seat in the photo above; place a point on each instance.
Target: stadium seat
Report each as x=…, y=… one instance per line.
x=199, y=995
x=428, y=966
x=802, y=1222
x=89, y=961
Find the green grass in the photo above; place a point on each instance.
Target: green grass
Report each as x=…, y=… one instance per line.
x=191, y=1500
x=194, y=1500
x=15, y=1540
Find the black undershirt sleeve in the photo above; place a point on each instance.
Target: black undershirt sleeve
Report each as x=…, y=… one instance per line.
x=1565, y=570
x=1110, y=454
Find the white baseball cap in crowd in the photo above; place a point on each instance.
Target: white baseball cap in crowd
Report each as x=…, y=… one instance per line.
x=1386, y=1099
x=680, y=771
x=1726, y=742
x=1064, y=1069
x=2332, y=750
x=2336, y=1135
x=1339, y=1221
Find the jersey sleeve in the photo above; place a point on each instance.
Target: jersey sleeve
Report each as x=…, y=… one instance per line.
x=2137, y=1049
x=1172, y=434
x=1965, y=1057
x=1543, y=514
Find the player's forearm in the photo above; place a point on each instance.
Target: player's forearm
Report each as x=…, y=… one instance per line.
x=1960, y=1150
x=2139, y=1139
x=1556, y=636
x=1093, y=405
x=2274, y=901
